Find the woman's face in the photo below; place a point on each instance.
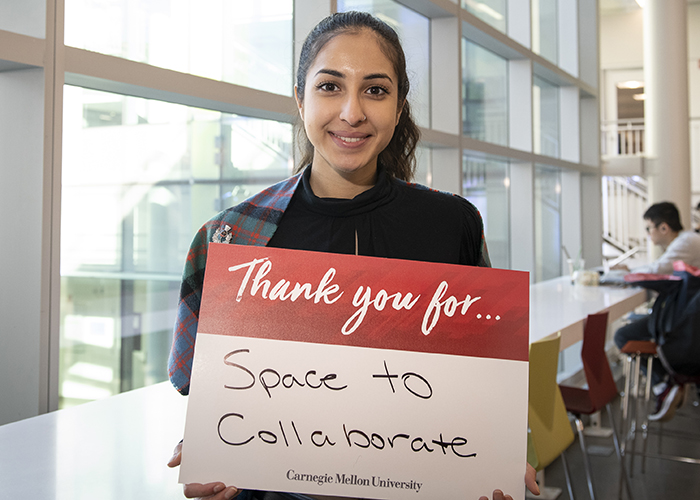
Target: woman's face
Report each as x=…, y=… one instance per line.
x=350, y=105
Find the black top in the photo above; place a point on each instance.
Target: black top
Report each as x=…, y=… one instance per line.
x=392, y=219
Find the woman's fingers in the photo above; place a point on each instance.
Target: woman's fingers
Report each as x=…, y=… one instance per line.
x=497, y=495
x=177, y=456
x=210, y=491
x=531, y=480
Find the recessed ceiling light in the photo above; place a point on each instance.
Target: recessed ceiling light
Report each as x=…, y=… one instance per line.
x=631, y=84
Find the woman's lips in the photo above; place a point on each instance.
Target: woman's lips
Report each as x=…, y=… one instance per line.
x=351, y=139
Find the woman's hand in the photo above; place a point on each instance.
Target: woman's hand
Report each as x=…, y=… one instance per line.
x=209, y=491
x=498, y=495
x=530, y=482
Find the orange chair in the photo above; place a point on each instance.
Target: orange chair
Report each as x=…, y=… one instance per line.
x=600, y=392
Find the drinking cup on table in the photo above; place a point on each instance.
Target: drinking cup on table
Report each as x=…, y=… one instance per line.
x=575, y=266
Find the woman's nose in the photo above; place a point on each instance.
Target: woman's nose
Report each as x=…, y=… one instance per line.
x=352, y=112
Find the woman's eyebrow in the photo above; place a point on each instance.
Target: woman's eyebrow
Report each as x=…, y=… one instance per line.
x=375, y=76
x=331, y=72
x=338, y=74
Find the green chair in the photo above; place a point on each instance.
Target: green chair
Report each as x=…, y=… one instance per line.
x=550, y=432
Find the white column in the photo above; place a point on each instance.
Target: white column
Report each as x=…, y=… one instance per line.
x=666, y=105
x=571, y=215
x=446, y=75
x=447, y=170
x=23, y=226
x=522, y=224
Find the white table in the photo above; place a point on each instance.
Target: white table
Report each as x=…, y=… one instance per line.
x=117, y=448
x=113, y=449
x=558, y=305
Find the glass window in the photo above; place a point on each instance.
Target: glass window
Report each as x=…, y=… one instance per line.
x=492, y=12
x=545, y=110
x=246, y=43
x=414, y=32
x=486, y=183
x=485, y=91
x=547, y=223
x=139, y=178
x=545, y=29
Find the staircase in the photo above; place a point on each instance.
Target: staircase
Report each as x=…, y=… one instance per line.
x=625, y=200
x=625, y=192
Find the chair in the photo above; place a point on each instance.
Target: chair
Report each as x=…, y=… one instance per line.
x=550, y=432
x=600, y=392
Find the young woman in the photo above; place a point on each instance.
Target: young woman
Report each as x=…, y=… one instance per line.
x=350, y=193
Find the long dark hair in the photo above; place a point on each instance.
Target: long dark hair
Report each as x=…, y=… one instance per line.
x=398, y=158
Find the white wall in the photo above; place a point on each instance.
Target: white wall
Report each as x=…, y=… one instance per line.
x=621, y=40
x=26, y=17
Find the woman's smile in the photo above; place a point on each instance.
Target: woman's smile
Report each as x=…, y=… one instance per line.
x=349, y=138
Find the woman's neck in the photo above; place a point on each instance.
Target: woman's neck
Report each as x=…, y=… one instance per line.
x=327, y=183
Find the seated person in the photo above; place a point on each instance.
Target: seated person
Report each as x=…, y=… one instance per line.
x=664, y=228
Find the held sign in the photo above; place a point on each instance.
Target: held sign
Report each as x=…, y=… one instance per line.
x=357, y=376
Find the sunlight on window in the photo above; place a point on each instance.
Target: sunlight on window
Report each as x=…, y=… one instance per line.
x=545, y=117
x=485, y=183
x=90, y=330
x=485, y=91
x=492, y=12
x=139, y=178
x=85, y=392
x=246, y=43
x=92, y=371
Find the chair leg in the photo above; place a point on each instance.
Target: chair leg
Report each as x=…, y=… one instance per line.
x=637, y=383
x=568, y=476
x=625, y=406
x=645, y=423
x=621, y=459
x=633, y=413
x=625, y=428
x=586, y=461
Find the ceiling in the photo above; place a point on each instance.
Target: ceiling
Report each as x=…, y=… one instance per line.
x=609, y=6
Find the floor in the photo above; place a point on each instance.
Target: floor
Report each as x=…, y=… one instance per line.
x=662, y=479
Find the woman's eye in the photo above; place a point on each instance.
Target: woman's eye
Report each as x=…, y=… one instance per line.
x=376, y=90
x=328, y=87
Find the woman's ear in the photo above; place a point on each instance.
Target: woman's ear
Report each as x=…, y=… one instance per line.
x=300, y=104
